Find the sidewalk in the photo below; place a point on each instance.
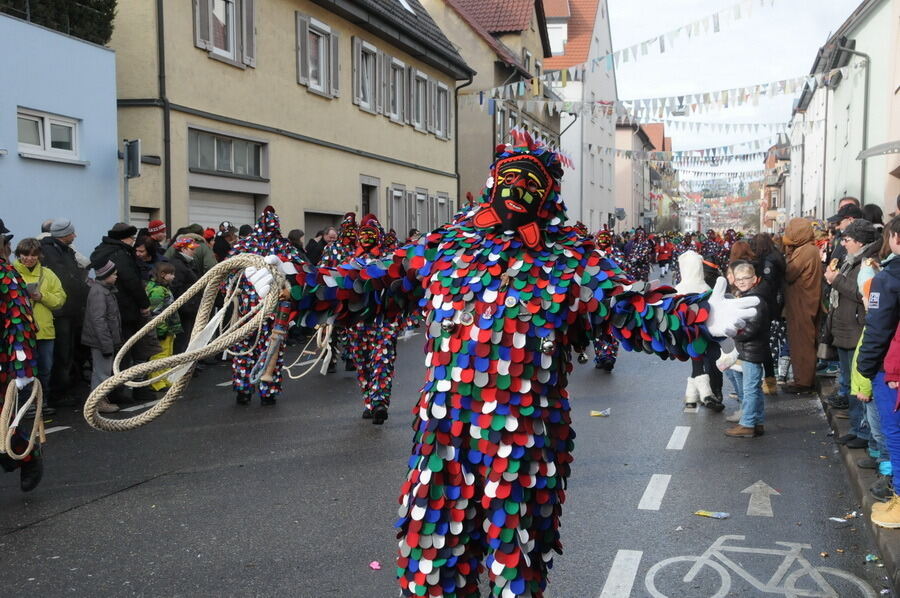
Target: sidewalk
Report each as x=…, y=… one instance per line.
x=887, y=540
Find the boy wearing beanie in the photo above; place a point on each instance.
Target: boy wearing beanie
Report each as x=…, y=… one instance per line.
x=102, y=330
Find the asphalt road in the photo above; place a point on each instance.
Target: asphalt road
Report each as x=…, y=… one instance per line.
x=214, y=499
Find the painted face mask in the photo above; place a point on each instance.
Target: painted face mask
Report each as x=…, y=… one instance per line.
x=521, y=184
x=369, y=236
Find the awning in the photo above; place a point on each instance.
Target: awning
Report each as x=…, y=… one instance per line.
x=892, y=147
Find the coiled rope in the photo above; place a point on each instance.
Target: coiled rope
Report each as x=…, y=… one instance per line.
x=179, y=368
x=12, y=414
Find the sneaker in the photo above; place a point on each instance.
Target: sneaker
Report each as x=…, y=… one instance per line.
x=867, y=463
x=105, y=406
x=735, y=417
x=740, y=431
x=845, y=438
x=837, y=402
x=857, y=443
x=883, y=489
x=830, y=371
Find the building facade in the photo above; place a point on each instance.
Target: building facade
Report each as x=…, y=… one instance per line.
x=580, y=32
x=505, y=42
x=632, y=186
x=314, y=107
x=58, y=141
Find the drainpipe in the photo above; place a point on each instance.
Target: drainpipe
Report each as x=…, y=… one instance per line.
x=459, y=193
x=865, y=131
x=825, y=153
x=167, y=113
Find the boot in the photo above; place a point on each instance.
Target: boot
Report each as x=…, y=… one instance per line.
x=770, y=386
x=31, y=472
x=105, y=406
x=691, y=396
x=379, y=414
x=784, y=364
x=888, y=517
x=881, y=507
x=707, y=397
x=267, y=401
x=243, y=398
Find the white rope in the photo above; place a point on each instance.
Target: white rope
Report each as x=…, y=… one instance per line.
x=11, y=415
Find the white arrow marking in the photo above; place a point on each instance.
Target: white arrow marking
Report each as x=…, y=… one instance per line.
x=760, y=499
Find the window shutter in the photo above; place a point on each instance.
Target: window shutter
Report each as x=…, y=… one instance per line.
x=401, y=95
x=355, y=58
x=202, y=24
x=448, y=133
x=379, y=82
x=430, y=99
x=386, y=82
x=302, y=49
x=248, y=37
x=335, y=64
x=410, y=81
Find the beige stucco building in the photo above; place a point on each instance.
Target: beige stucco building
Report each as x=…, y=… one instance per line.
x=632, y=184
x=505, y=42
x=312, y=106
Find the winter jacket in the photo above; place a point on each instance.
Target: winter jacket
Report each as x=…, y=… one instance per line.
x=53, y=297
x=131, y=296
x=204, y=258
x=859, y=384
x=848, y=314
x=881, y=319
x=60, y=258
x=892, y=359
x=102, y=323
x=752, y=341
x=803, y=273
x=146, y=268
x=184, y=278
x=221, y=248
x=314, y=250
x=161, y=298
x=771, y=269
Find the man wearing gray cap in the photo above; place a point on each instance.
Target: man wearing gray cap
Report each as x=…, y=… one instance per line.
x=61, y=259
x=846, y=318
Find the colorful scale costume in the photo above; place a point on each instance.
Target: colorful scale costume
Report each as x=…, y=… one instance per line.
x=18, y=344
x=338, y=252
x=265, y=240
x=508, y=292
x=640, y=256
x=606, y=347
x=372, y=344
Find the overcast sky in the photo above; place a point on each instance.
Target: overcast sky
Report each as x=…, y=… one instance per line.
x=776, y=42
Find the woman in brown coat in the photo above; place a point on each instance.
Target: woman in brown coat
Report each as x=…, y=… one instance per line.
x=802, y=300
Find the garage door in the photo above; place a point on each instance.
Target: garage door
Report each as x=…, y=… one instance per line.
x=209, y=208
x=139, y=218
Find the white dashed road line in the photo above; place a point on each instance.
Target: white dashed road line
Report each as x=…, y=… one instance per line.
x=679, y=437
x=656, y=490
x=57, y=429
x=622, y=574
x=228, y=383
x=141, y=406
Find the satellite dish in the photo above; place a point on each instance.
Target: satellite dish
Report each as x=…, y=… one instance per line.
x=620, y=213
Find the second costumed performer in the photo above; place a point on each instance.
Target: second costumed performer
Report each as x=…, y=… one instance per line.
x=507, y=292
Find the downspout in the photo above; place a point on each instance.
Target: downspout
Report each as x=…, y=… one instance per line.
x=865, y=131
x=167, y=113
x=459, y=193
x=825, y=153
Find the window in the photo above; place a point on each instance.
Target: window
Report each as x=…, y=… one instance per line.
x=227, y=30
x=500, y=125
x=442, y=112
x=318, y=56
x=47, y=134
x=218, y=154
x=421, y=210
x=366, y=76
x=538, y=70
x=397, y=208
x=513, y=122
x=526, y=59
x=418, y=99
x=395, y=93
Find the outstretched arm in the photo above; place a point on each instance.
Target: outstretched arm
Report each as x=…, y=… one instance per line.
x=17, y=329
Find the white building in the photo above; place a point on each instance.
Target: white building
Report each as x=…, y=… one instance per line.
x=579, y=32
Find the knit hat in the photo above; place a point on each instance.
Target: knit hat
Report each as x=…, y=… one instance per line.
x=156, y=226
x=61, y=228
x=120, y=231
x=104, y=271
x=861, y=230
x=209, y=234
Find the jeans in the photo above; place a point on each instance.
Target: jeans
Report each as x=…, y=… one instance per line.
x=845, y=365
x=45, y=365
x=876, y=439
x=737, y=383
x=886, y=399
x=752, y=403
x=102, y=367
x=856, y=411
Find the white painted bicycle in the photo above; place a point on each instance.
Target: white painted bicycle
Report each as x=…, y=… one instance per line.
x=795, y=577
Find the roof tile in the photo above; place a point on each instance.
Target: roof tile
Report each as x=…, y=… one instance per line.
x=500, y=16
x=556, y=9
x=581, y=31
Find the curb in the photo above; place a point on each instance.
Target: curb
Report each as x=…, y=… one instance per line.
x=886, y=540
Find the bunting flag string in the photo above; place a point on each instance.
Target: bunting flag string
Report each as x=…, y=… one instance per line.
x=710, y=24
x=704, y=155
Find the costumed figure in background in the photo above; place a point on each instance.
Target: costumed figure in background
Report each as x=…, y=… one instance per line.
x=713, y=249
x=372, y=343
x=606, y=347
x=265, y=240
x=18, y=365
x=337, y=252
x=508, y=293
x=640, y=256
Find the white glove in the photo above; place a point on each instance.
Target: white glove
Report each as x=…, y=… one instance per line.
x=23, y=382
x=727, y=360
x=287, y=268
x=260, y=278
x=727, y=316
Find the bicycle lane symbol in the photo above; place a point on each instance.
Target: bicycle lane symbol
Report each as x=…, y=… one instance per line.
x=795, y=577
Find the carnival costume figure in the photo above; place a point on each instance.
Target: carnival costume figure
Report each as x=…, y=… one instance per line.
x=265, y=240
x=507, y=292
x=18, y=361
x=337, y=252
x=606, y=347
x=640, y=256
